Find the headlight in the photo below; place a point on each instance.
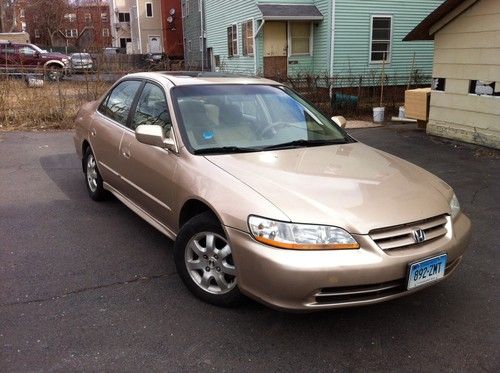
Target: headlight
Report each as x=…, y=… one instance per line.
x=454, y=206
x=300, y=236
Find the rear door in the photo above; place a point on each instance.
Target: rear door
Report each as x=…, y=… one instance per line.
x=148, y=170
x=107, y=129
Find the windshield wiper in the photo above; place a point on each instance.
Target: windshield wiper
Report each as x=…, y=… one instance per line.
x=226, y=149
x=305, y=143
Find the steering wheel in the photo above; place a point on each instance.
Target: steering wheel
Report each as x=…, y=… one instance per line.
x=272, y=126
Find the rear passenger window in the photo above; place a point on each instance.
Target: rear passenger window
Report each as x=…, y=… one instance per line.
x=118, y=103
x=152, y=108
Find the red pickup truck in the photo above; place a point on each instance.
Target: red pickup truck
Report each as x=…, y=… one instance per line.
x=21, y=58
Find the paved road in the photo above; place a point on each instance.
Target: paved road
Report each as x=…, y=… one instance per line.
x=89, y=286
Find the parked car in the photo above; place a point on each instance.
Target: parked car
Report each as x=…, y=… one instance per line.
x=111, y=51
x=81, y=62
x=22, y=58
x=265, y=196
x=154, y=58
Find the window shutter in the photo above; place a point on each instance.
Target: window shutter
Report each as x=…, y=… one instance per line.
x=244, y=38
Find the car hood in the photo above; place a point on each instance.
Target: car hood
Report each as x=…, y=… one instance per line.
x=352, y=186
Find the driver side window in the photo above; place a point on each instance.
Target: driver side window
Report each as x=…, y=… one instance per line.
x=152, y=108
x=27, y=51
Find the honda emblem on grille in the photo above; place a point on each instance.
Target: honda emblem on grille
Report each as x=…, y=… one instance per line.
x=419, y=235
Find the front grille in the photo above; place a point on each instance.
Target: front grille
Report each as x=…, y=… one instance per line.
x=401, y=236
x=346, y=294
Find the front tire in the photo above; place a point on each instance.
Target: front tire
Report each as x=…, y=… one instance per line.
x=93, y=178
x=204, y=261
x=54, y=73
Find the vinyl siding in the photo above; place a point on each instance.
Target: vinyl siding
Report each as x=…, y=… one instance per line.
x=220, y=14
x=322, y=37
x=352, y=36
x=468, y=48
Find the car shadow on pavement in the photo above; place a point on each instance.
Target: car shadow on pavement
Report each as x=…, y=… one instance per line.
x=66, y=172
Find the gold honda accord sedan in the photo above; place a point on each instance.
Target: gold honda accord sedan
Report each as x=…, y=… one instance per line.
x=265, y=196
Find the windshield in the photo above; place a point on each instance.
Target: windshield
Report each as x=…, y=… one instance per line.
x=237, y=118
x=36, y=48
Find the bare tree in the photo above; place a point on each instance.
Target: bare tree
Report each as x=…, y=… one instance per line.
x=5, y=6
x=48, y=15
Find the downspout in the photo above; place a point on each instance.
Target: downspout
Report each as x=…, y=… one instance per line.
x=255, y=49
x=138, y=13
x=202, y=36
x=332, y=43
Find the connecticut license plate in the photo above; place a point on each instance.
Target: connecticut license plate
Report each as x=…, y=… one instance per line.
x=426, y=271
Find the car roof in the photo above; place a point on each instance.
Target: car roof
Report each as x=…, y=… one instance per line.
x=197, y=78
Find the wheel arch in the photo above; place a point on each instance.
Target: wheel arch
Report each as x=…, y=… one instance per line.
x=85, y=146
x=50, y=63
x=193, y=207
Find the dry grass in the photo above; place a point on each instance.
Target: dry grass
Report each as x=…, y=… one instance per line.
x=53, y=106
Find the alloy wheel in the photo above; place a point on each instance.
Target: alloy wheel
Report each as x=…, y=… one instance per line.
x=209, y=262
x=91, y=173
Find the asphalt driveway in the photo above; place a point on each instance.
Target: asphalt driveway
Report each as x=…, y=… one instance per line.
x=90, y=286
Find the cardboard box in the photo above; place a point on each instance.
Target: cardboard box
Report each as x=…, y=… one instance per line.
x=417, y=102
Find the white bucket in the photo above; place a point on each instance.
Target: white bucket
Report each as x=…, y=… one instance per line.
x=402, y=113
x=34, y=82
x=378, y=114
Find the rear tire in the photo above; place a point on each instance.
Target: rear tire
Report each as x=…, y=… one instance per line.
x=93, y=179
x=205, y=263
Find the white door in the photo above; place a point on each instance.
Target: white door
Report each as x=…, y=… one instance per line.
x=154, y=44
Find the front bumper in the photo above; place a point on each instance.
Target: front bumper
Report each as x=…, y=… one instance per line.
x=309, y=280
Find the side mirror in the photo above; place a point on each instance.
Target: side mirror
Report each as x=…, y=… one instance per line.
x=154, y=135
x=339, y=121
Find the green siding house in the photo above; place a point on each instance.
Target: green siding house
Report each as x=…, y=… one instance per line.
x=324, y=38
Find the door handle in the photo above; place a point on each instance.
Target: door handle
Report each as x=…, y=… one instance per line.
x=126, y=154
x=92, y=132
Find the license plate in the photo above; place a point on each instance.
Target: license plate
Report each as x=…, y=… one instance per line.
x=426, y=271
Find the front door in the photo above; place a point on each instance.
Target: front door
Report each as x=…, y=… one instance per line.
x=154, y=44
x=148, y=170
x=275, y=50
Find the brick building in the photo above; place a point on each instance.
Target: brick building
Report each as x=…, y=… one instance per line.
x=86, y=26
x=172, y=28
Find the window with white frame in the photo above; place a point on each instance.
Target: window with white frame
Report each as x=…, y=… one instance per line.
x=22, y=13
x=105, y=32
x=381, y=38
x=37, y=34
x=300, y=38
x=104, y=17
x=71, y=33
x=247, y=37
x=71, y=17
x=88, y=17
x=232, y=40
x=149, y=10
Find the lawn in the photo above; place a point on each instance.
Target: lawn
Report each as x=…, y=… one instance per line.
x=52, y=106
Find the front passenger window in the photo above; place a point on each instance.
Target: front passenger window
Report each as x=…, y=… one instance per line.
x=152, y=108
x=119, y=102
